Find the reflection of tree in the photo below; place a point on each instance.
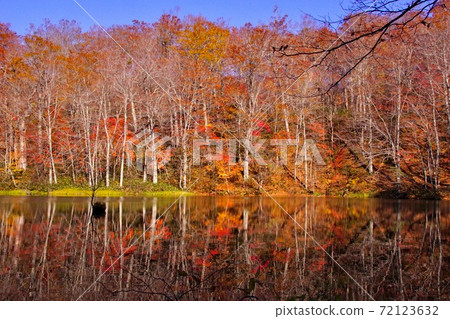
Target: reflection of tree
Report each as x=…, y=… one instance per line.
x=235, y=249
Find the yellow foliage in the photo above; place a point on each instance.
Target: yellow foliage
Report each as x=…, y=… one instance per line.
x=205, y=41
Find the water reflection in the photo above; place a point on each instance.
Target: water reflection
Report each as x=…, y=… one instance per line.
x=223, y=248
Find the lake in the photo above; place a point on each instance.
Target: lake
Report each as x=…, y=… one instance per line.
x=224, y=248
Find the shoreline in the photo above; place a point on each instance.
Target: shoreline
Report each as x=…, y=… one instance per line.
x=103, y=192
x=70, y=192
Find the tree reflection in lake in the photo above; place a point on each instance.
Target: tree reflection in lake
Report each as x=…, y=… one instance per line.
x=223, y=248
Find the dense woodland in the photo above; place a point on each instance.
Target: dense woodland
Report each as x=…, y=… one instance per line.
x=72, y=104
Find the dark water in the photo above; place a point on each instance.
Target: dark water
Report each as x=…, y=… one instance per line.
x=224, y=248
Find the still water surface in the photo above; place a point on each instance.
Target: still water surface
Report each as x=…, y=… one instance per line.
x=224, y=248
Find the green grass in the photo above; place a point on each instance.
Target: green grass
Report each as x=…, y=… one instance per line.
x=86, y=192
x=359, y=195
x=67, y=188
x=160, y=191
x=21, y=192
x=167, y=193
x=104, y=192
x=14, y=192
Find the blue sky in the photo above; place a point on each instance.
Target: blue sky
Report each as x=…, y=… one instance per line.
x=20, y=13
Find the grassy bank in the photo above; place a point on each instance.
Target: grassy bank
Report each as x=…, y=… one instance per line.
x=83, y=192
x=110, y=192
x=67, y=189
x=136, y=188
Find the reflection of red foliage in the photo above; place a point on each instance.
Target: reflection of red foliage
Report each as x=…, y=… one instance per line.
x=160, y=231
x=112, y=258
x=202, y=262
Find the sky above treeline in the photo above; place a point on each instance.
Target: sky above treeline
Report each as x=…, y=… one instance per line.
x=20, y=13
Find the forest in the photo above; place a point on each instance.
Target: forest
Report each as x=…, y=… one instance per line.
x=76, y=106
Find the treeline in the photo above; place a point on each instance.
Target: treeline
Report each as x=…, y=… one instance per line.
x=75, y=107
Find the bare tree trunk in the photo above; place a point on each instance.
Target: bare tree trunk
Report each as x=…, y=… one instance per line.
x=125, y=130
x=154, y=159
x=246, y=160
x=22, y=146
x=40, y=133
x=108, y=143
x=446, y=87
x=108, y=159
x=52, y=172
x=436, y=174
x=370, y=168
x=245, y=163
x=185, y=167
x=305, y=163
x=133, y=113
x=396, y=144
x=144, y=164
